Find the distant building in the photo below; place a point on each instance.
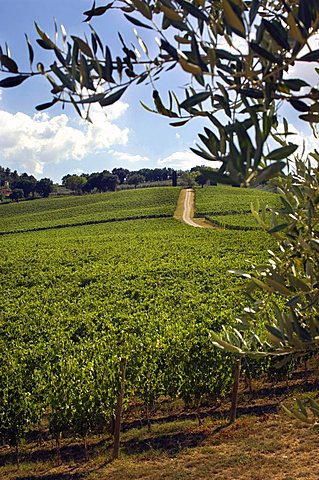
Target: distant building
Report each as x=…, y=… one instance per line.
x=5, y=190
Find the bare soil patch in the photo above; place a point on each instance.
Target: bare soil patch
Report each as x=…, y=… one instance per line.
x=185, y=210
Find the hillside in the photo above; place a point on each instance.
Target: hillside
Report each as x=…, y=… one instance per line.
x=95, y=208
x=77, y=301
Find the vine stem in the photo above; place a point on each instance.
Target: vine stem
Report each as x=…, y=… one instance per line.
x=118, y=411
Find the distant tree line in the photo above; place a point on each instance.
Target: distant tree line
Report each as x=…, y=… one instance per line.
x=25, y=186
x=108, y=181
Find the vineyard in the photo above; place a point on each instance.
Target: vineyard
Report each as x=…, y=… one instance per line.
x=78, y=303
x=77, y=210
x=223, y=207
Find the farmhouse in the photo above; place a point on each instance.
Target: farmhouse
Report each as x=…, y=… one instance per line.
x=5, y=190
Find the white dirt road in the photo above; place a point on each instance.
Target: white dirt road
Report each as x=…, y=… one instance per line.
x=188, y=209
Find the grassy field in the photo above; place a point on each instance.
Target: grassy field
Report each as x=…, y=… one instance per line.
x=75, y=301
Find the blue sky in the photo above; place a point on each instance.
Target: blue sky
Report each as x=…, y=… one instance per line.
x=57, y=142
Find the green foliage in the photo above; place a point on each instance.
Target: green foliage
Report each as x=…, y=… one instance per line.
x=224, y=200
x=74, y=182
x=82, y=384
x=240, y=221
x=188, y=179
x=288, y=282
x=17, y=194
x=135, y=179
x=27, y=183
x=307, y=411
x=291, y=275
x=72, y=308
x=201, y=179
x=101, y=182
x=239, y=92
x=44, y=187
x=60, y=211
x=21, y=390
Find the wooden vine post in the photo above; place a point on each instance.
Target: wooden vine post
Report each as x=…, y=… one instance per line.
x=234, y=398
x=119, y=411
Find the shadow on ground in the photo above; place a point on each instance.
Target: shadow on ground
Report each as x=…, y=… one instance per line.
x=55, y=476
x=171, y=443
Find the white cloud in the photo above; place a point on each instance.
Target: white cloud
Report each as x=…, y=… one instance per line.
x=31, y=142
x=76, y=171
x=185, y=160
x=305, y=70
x=112, y=112
x=128, y=157
x=306, y=143
x=240, y=44
x=115, y=111
x=177, y=135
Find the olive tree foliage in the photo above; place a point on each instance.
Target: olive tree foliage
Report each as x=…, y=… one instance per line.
x=238, y=56
x=289, y=281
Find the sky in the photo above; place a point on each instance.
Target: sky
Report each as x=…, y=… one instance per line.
x=58, y=142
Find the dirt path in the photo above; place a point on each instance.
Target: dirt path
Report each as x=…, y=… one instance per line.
x=188, y=212
x=185, y=210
